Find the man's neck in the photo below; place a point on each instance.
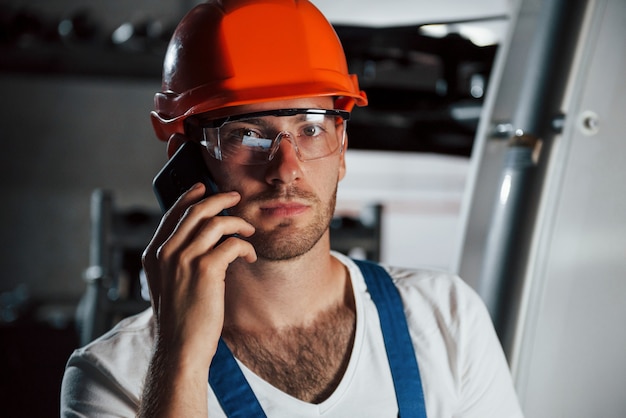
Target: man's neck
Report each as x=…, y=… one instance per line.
x=282, y=294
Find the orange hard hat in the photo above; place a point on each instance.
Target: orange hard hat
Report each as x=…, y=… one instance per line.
x=234, y=52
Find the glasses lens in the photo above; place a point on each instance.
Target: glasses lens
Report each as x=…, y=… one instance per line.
x=319, y=136
x=254, y=140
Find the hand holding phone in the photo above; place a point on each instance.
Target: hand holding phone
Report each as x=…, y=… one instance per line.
x=187, y=298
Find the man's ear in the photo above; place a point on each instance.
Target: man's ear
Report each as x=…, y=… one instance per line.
x=175, y=142
x=342, y=159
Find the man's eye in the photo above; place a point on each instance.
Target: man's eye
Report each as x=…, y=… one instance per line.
x=312, y=130
x=241, y=133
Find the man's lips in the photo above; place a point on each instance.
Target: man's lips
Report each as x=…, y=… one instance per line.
x=284, y=209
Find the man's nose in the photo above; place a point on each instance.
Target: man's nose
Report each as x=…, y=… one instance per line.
x=285, y=167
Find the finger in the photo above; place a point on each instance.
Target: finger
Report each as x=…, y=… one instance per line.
x=217, y=261
x=182, y=210
x=201, y=229
x=205, y=209
x=185, y=248
x=164, y=230
x=196, y=194
x=171, y=217
x=242, y=248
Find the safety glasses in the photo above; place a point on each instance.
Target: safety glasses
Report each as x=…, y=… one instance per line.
x=254, y=138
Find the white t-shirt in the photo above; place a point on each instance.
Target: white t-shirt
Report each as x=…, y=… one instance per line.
x=462, y=367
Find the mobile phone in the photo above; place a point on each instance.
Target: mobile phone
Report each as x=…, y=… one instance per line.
x=183, y=170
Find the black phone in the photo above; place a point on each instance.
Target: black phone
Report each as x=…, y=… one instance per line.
x=183, y=170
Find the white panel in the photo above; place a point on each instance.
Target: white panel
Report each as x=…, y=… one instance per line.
x=421, y=197
x=571, y=361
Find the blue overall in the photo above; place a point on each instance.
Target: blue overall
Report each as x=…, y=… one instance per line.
x=237, y=399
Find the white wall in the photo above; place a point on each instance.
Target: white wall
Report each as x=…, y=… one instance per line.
x=421, y=196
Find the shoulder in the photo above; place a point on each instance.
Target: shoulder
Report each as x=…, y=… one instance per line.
x=460, y=359
x=112, y=367
x=136, y=331
x=432, y=299
x=435, y=287
x=441, y=296
x=452, y=330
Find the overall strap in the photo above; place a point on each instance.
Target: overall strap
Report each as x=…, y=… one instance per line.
x=231, y=387
x=400, y=353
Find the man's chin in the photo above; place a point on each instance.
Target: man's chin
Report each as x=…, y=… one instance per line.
x=285, y=243
x=273, y=249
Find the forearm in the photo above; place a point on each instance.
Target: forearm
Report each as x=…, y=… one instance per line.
x=175, y=386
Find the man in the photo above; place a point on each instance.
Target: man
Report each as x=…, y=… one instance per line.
x=252, y=314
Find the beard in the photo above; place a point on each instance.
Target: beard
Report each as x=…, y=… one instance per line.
x=283, y=242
